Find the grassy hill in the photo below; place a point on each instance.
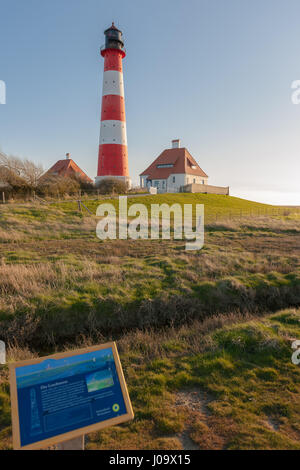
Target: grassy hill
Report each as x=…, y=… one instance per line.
x=198, y=331
x=225, y=383
x=219, y=384
x=215, y=205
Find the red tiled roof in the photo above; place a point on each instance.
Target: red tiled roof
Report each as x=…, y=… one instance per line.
x=182, y=162
x=68, y=167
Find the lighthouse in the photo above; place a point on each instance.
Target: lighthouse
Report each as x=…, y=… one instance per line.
x=113, y=155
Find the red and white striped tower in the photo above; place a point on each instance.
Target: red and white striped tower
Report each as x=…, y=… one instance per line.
x=113, y=155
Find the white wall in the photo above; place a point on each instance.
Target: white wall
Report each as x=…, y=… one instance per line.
x=169, y=185
x=160, y=184
x=196, y=179
x=182, y=179
x=175, y=185
x=143, y=181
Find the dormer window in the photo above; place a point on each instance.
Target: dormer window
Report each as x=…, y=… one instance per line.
x=194, y=167
x=165, y=165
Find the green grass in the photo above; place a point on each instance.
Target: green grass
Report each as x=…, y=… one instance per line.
x=222, y=206
x=55, y=271
x=227, y=383
x=246, y=371
x=183, y=320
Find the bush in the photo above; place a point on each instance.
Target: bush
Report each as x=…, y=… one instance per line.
x=13, y=185
x=112, y=186
x=54, y=185
x=83, y=184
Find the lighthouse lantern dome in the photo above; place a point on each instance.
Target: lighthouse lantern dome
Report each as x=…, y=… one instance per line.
x=113, y=38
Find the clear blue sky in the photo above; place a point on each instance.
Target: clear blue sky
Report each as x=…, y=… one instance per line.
x=215, y=73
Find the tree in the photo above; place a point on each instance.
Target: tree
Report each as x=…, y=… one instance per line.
x=8, y=176
x=32, y=172
x=25, y=169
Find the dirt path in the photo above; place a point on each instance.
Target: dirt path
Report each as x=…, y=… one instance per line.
x=192, y=401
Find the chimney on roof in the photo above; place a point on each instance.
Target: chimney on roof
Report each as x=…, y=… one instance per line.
x=67, y=156
x=175, y=144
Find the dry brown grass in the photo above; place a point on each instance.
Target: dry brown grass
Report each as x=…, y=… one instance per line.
x=143, y=283
x=61, y=288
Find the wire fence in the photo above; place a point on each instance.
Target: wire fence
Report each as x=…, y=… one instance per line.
x=81, y=200
x=31, y=195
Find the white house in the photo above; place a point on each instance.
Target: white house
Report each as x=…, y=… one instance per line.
x=173, y=168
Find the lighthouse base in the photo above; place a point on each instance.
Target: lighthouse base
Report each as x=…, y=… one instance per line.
x=125, y=179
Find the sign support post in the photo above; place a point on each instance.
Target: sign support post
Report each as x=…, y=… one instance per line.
x=73, y=444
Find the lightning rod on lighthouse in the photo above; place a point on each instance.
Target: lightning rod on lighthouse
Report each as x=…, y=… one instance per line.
x=113, y=155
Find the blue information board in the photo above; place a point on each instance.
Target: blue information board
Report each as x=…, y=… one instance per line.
x=71, y=393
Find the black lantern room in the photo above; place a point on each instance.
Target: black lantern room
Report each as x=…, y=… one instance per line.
x=113, y=38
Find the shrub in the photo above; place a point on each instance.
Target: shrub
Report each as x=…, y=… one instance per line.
x=13, y=185
x=112, y=186
x=54, y=185
x=84, y=184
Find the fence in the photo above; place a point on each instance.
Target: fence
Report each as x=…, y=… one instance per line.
x=255, y=212
x=82, y=198
x=31, y=196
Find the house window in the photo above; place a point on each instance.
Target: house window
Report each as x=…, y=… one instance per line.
x=202, y=181
x=156, y=184
x=165, y=165
x=163, y=183
x=173, y=179
x=194, y=180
